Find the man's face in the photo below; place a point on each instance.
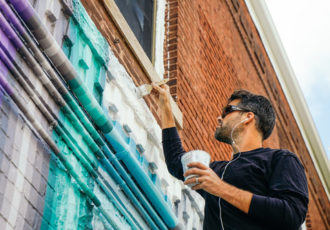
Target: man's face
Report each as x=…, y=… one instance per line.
x=224, y=131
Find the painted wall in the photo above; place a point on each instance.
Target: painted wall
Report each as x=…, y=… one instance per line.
x=211, y=48
x=219, y=52
x=40, y=190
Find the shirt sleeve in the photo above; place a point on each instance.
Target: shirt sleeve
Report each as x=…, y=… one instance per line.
x=173, y=151
x=286, y=205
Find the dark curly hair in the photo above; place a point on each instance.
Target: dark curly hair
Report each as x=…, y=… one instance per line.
x=260, y=106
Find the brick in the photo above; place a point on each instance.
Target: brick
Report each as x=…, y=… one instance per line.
x=12, y=216
x=218, y=53
x=12, y=173
x=48, y=212
x=42, y=162
x=8, y=147
x=23, y=206
x=45, y=169
x=34, y=198
x=5, y=208
x=26, y=189
x=1, y=198
x=40, y=204
x=19, y=183
x=2, y=223
x=29, y=171
x=3, y=182
x=11, y=124
x=9, y=190
x=3, y=110
x=27, y=226
x=19, y=224
x=30, y=215
x=36, y=222
x=42, y=186
x=4, y=163
x=50, y=194
x=16, y=155
x=31, y=156
x=2, y=139
x=36, y=180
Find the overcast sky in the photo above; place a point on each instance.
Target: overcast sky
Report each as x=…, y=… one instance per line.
x=304, y=28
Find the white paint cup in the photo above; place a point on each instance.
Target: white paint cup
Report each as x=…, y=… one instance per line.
x=194, y=156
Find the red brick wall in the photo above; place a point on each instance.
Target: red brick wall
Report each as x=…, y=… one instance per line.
x=214, y=49
x=212, y=61
x=218, y=51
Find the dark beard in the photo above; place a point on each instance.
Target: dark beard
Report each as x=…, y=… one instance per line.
x=222, y=134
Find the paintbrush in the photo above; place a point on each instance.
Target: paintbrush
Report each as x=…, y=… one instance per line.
x=144, y=90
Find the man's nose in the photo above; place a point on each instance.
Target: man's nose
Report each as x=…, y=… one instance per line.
x=219, y=118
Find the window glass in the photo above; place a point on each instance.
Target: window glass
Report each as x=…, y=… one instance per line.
x=139, y=15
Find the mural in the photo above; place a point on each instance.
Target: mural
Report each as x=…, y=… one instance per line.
x=69, y=159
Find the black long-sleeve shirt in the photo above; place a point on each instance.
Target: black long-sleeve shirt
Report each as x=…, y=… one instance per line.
x=274, y=176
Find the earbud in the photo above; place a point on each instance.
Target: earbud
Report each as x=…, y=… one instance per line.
x=229, y=162
x=244, y=120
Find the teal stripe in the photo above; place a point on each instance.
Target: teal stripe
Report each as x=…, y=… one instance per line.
x=88, y=87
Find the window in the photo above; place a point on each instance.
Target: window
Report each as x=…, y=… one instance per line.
x=140, y=16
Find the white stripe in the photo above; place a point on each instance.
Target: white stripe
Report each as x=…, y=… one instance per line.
x=17, y=196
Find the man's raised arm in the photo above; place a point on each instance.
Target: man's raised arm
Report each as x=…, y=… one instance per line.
x=166, y=115
x=171, y=141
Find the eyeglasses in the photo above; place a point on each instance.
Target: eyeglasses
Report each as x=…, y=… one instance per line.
x=231, y=108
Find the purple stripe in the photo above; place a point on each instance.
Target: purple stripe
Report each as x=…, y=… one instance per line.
x=10, y=32
x=1, y=96
x=4, y=71
x=23, y=8
x=6, y=60
x=5, y=64
x=3, y=67
x=5, y=44
x=4, y=83
x=11, y=16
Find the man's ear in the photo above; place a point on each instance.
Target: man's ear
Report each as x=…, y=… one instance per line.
x=249, y=116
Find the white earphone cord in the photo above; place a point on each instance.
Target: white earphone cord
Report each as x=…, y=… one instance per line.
x=223, y=173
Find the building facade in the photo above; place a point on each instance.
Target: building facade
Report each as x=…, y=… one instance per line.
x=81, y=148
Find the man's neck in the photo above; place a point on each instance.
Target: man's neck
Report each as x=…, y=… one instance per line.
x=238, y=148
x=247, y=143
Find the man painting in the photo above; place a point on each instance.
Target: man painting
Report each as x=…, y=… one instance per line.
x=259, y=188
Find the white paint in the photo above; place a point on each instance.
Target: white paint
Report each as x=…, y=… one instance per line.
x=17, y=196
x=109, y=208
x=145, y=130
x=160, y=36
x=131, y=210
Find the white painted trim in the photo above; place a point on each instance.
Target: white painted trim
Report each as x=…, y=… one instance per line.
x=139, y=53
x=276, y=52
x=160, y=37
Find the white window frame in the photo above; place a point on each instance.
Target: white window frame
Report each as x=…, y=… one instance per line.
x=138, y=51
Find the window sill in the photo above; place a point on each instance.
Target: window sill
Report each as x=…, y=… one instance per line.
x=141, y=56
